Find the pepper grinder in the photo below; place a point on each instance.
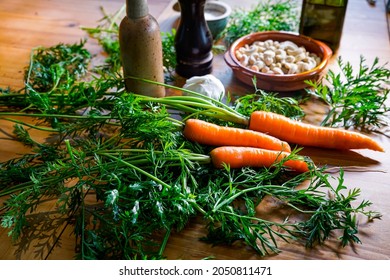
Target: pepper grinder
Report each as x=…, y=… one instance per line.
x=141, y=49
x=193, y=40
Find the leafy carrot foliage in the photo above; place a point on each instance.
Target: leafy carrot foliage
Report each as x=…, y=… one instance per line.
x=122, y=173
x=355, y=99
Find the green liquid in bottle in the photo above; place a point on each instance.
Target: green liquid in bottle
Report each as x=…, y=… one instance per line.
x=323, y=20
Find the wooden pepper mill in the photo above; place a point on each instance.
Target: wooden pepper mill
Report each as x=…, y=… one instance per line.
x=193, y=40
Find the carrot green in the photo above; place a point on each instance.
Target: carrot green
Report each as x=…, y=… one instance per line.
x=355, y=98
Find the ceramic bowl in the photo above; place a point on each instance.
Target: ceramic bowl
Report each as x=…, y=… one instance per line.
x=217, y=15
x=279, y=82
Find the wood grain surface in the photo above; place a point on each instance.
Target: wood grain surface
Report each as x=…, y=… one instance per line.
x=28, y=24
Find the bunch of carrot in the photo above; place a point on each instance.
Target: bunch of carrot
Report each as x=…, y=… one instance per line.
x=238, y=147
x=266, y=141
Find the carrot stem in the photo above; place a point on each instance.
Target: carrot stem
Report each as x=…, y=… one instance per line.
x=197, y=100
x=41, y=128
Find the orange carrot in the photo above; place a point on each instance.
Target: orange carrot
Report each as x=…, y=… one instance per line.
x=211, y=134
x=237, y=157
x=310, y=135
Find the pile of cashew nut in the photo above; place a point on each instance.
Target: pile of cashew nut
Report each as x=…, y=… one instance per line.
x=274, y=57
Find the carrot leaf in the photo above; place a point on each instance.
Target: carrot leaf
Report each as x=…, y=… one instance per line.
x=264, y=16
x=270, y=102
x=355, y=99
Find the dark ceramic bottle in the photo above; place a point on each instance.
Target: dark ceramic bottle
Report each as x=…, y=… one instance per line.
x=141, y=49
x=193, y=41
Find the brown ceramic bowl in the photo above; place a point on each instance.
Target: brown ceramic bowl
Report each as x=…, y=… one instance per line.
x=278, y=82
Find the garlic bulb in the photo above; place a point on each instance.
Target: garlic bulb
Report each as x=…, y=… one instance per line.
x=207, y=85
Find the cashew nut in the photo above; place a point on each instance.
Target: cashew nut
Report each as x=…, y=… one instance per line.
x=277, y=57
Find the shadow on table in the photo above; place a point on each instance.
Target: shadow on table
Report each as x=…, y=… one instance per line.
x=41, y=235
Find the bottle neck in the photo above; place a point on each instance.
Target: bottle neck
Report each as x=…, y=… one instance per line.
x=137, y=8
x=192, y=9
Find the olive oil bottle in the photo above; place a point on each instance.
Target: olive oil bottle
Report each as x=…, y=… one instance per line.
x=323, y=20
x=141, y=49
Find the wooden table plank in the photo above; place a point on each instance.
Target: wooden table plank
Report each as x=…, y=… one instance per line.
x=28, y=24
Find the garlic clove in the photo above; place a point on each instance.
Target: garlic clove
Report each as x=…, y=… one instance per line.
x=207, y=85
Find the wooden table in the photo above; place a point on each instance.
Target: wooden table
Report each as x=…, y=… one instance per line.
x=47, y=22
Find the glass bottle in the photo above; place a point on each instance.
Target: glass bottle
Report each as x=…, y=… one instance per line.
x=193, y=40
x=323, y=20
x=141, y=49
